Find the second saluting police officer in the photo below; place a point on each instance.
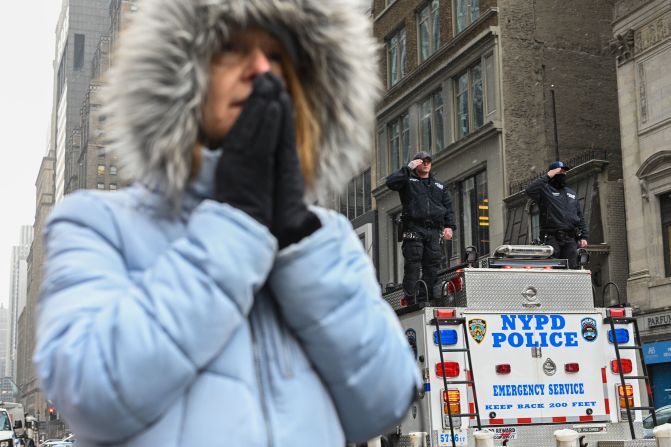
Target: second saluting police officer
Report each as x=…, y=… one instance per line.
x=427, y=217
x=562, y=225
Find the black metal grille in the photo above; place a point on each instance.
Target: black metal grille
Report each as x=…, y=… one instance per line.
x=586, y=156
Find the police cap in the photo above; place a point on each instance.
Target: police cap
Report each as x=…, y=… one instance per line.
x=422, y=155
x=558, y=164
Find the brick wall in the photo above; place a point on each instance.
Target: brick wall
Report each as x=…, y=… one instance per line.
x=618, y=261
x=560, y=43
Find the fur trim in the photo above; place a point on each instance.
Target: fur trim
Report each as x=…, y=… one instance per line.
x=159, y=80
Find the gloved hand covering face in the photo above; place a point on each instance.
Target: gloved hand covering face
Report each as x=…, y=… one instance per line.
x=245, y=173
x=292, y=221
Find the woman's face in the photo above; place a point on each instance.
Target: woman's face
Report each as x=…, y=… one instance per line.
x=249, y=53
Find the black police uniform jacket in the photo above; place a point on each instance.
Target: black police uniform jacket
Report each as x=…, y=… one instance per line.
x=559, y=207
x=422, y=203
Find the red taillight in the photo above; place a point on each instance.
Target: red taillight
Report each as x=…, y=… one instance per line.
x=627, y=366
x=572, y=367
x=507, y=266
x=454, y=285
x=449, y=369
x=503, y=368
x=444, y=313
x=618, y=312
x=404, y=302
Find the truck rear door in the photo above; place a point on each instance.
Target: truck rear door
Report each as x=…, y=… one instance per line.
x=538, y=368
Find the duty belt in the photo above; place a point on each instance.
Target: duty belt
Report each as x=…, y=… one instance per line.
x=426, y=223
x=559, y=233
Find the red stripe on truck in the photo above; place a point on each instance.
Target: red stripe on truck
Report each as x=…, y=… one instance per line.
x=496, y=421
x=586, y=418
x=559, y=419
x=524, y=420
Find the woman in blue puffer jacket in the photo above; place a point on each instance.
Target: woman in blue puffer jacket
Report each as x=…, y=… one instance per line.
x=206, y=304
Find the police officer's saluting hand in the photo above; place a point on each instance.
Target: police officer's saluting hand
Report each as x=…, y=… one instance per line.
x=562, y=225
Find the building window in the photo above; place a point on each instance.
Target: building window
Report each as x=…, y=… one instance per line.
x=112, y=170
x=396, y=57
x=467, y=11
x=113, y=187
x=432, y=124
x=665, y=211
x=80, y=40
x=472, y=207
x=398, y=132
x=470, y=113
x=429, y=30
x=357, y=199
x=101, y=186
x=62, y=73
x=101, y=170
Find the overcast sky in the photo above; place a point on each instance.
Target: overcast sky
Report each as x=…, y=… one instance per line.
x=27, y=35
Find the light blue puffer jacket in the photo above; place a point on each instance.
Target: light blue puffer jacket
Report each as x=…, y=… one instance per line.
x=162, y=329
x=194, y=330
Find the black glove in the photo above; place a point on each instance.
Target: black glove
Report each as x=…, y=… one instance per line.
x=245, y=173
x=292, y=221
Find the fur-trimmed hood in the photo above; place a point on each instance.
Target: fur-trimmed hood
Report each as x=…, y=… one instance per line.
x=159, y=80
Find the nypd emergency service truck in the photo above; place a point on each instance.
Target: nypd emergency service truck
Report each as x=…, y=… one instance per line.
x=518, y=347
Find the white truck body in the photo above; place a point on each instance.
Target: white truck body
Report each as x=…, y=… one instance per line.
x=541, y=361
x=7, y=435
x=16, y=416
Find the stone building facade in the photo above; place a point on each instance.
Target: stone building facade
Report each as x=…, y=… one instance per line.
x=642, y=46
x=86, y=33
x=99, y=169
x=495, y=90
x=80, y=25
x=18, y=285
x=26, y=377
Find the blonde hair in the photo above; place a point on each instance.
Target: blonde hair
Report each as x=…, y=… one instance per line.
x=308, y=131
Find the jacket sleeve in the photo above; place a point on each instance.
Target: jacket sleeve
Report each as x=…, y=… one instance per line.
x=535, y=188
x=399, y=179
x=327, y=291
x=114, y=352
x=582, y=226
x=448, y=219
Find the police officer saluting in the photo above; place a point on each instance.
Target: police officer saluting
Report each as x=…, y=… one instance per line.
x=561, y=221
x=427, y=217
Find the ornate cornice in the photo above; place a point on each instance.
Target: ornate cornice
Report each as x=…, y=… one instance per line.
x=623, y=46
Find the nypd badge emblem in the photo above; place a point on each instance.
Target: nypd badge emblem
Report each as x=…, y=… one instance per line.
x=588, y=329
x=411, y=335
x=478, y=328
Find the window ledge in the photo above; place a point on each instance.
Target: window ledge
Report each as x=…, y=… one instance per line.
x=462, y=36
x=471, y=26
x=485, y=131
x=384, y=11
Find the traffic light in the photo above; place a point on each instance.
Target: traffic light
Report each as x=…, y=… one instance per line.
x=52, y=413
